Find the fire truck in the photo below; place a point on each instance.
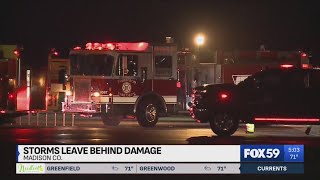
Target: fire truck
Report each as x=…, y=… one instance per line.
x=14, y=97
x=115, y=79
x=235, y=66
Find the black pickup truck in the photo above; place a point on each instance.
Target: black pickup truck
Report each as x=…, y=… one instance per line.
x=275, y=96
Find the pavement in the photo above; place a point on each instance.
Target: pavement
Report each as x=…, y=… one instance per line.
x=177, y=117
x=184, y=117
x=315, y=130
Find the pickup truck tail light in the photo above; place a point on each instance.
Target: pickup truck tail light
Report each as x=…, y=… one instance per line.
x=224, y=96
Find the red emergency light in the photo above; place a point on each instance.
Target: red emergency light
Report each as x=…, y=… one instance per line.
x=11, y=96
x=286, y=65
x=303, y=55
x=77, y=48
x=16, y=52
x=178, y=84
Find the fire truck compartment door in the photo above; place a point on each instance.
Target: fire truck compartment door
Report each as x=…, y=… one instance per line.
x=82, y=89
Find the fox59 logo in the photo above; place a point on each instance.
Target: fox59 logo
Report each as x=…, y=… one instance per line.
x=258, y=153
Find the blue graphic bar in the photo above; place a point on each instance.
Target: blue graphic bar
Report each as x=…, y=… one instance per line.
x=293, y=153
x=272, y=168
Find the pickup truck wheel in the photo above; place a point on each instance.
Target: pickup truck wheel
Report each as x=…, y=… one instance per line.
x=147, y=114
x=110, y=121
x=224, y=124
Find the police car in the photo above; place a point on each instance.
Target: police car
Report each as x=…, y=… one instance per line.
x=285, y=95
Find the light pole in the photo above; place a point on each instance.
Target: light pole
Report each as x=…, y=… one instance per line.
x=199, y=41
x=17, y=53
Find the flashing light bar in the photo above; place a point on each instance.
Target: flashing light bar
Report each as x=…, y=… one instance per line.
x=124, y=46
x=288, y=119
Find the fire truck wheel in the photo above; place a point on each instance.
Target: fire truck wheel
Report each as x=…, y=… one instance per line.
x=110, y=121
x=224, y=124
x=147, y=114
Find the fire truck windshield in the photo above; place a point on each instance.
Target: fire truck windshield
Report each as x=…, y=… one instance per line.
x=92, y=64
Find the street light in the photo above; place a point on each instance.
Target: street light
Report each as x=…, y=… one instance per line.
x=199, y=40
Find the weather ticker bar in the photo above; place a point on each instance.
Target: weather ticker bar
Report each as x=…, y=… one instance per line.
x=159, y=168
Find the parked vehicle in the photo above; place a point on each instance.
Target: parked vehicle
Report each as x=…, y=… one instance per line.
x=114, y=79
x=286, y=95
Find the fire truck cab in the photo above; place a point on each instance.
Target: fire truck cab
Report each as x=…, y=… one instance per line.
x=116, y=79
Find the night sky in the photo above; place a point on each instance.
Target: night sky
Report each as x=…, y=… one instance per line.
x=243, y=25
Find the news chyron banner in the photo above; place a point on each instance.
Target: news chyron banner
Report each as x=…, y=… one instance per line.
x=160, y=159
